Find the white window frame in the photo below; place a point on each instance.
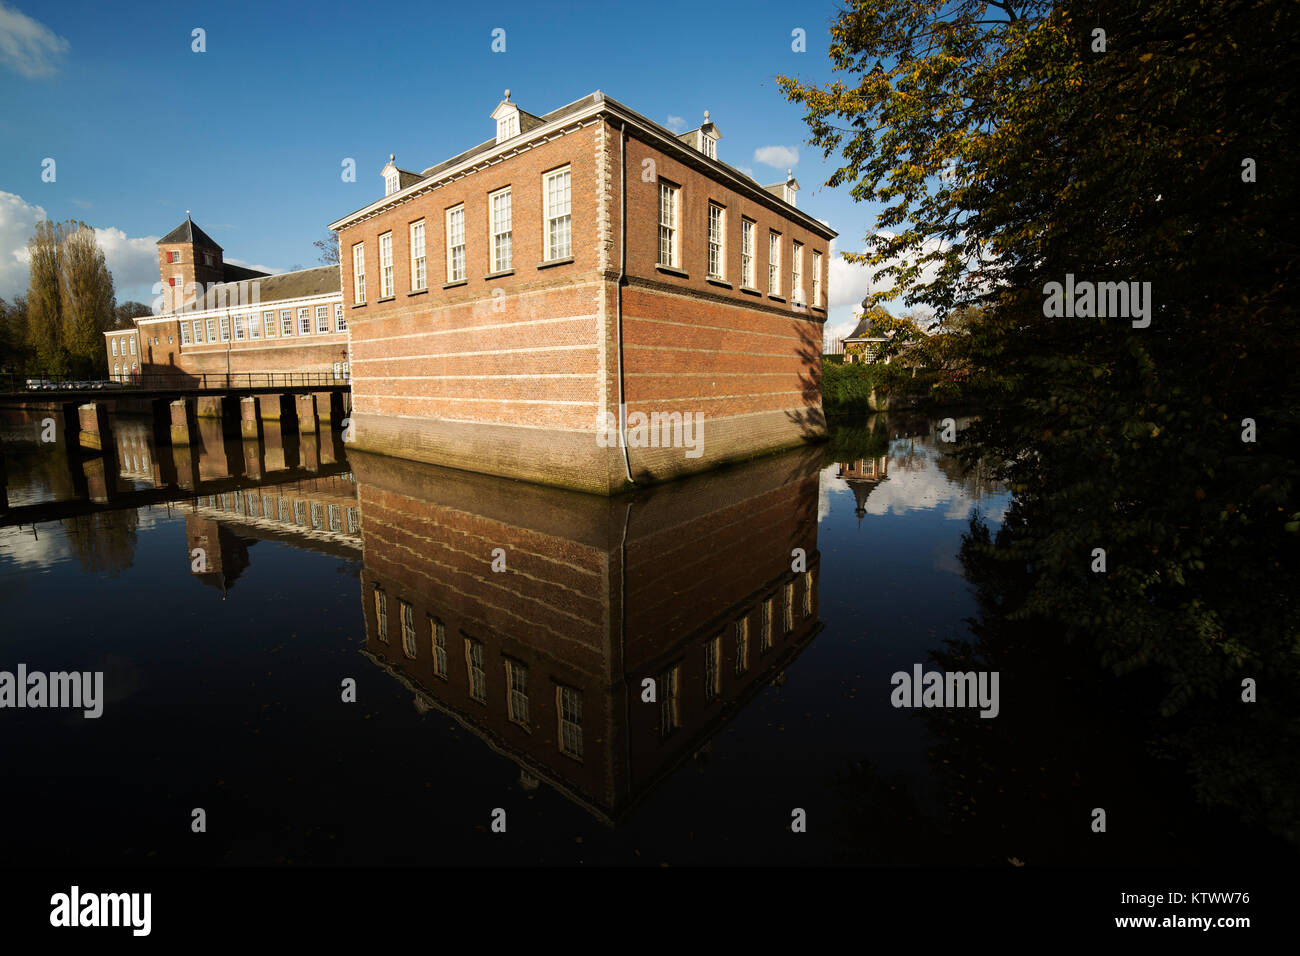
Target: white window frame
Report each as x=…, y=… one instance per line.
x=386, y=287
x=773, y=262
x=197, y=325
x=381, y=607
x=708, y=146
x=816, y=279
x=501, y=242
x=507, y=126
x=390, y=183
x=557, y=214
x=131, y=340
x=568, y=712
x=717, y=242
x=796, y=274
x=286, y=322
x=223, y=322
x=669, y=224
x=304, y=320
x=419, y=273
x=241, y=327
x=322, y=319
x=113, y=340
x=517, y=709
x=268, y=324
x=456, y=269
x=340, y=320
x=186, y=337
x=359, y=273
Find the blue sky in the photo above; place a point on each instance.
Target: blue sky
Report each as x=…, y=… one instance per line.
x=250, y=134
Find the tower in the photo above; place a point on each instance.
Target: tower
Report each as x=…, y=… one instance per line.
x=188, y=258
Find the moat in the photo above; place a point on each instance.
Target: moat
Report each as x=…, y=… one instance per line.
x=343, y=658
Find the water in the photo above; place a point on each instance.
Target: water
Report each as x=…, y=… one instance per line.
x=770, y=603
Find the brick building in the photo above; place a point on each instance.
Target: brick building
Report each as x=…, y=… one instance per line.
x=586, y=299
x=220, y=318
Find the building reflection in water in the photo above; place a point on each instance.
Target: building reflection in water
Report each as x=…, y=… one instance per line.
x=862, y=477
x=696, y=585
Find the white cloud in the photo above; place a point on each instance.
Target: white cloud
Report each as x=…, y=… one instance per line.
x=849, y=283
x=133, y=262
x=781, y=157
x=18, y=220
x=28, y=46
x=676, y=123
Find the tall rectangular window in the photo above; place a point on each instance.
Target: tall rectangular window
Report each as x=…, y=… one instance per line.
x=286, y=321
x=381, y=611
x=557, y=208
x=670, y=714
x=254, y=326
x=503, y=256
x=746, y=253
x=132, y=343
x=474, y=664
x=241, y=328
x=340, y=322
x=304, y=321
x=742, y=645
x=359, y=273
x=114, y=341
x=765, y=629
x=789, y=607
x=438, y=631
x=198, y=331
x=322, y=318
x=569, y=704
x=817, y=279
x=268, y=324
x=456, y=244
x=796, y=274
x=712, y=673
x=807, y=593
x=408, y=629
x=668, y=201
x=386, y=265
x=773, y=263
x=185, y=336
x=418, y=278
x=517, y=699
x=225, y=328
x=717, y=241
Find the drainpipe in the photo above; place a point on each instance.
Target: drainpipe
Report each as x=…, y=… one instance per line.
x=618, y=293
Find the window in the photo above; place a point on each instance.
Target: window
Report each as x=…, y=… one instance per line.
x=174, y=256
x=507, y=126
x=322, y=318
x=709, y=146
x=765, y=633
x=742, y=645
x=390, y=183
x=569, y=705
x=712, y=674
x=208, y=260
x=254, y=326
x=381, y=614
x=225, y=328
x=117, y=371
x=817, y=279
x=114, y=342
x=773, y=263
x=717, y=246
x=268, y=324
x=796, y=274
x=408, y=629
x=474, y=664
x=304, y=321
x=132, y=341
x=670, y=716
x=789, y=607
x=286, y=321
x=557, y=201
x=746, y=254
x=807, y=593
x=186, y=338
x=354, y=520
x=517, y=699
x=340, y=323
x=241, y=328
x=456, y=244
x=438, y=631
x=503, y=258
x=418, y=279
x=300, y=519
x=386, y=265
x=198, y=331
x=668, y=199
x=359, y=273
x=283, y=512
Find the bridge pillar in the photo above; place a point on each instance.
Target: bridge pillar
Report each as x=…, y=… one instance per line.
x=182, y=421
x=161, y=414
x=209, y=406
x=250, y=425
x=329, y=407
x=93, y=426
x=279, y=408
x=185, y=459
x=306, y=413
x=309, y=449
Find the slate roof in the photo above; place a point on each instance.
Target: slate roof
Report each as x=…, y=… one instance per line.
x=321, y=280
x=233, y=273
x=864, y=329
x=189, y=232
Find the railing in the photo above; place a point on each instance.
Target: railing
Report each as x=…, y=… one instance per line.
x=178, y=381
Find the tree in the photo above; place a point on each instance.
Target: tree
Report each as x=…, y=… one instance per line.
x=1013, y=145
x=45, y=298
x=88, y=301
x=13, y=334
x=328, y=248
x=125, y=313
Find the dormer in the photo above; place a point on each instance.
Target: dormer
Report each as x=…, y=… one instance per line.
x=703, y=138
x=507, y=116
x=785, y=190
x=392, y=177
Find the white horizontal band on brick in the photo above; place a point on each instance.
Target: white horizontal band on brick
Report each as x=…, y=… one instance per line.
x=479, y=328
x=729, y=330
x=683, y=348
x=705, y=374
x=477, y=378
x=499, y=401
x=433, y=355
